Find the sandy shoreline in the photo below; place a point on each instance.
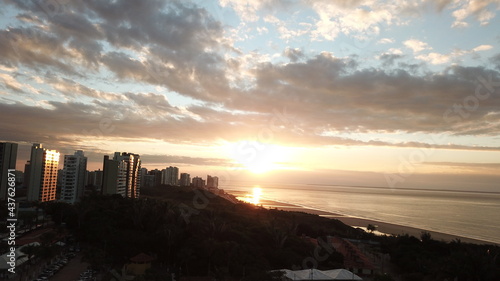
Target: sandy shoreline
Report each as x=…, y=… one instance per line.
x=387, y=228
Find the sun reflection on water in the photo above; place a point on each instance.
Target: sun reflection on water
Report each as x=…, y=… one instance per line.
x=254, y=197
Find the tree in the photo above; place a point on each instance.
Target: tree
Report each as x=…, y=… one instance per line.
x=371, y=228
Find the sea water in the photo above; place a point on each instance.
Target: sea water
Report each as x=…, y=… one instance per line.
x=468, y=214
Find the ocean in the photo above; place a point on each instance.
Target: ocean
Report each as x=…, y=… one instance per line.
x=467, y=214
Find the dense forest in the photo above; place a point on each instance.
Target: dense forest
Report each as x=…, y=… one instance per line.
x=192, y=232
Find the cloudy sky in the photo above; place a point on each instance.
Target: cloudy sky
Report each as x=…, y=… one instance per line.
x=386, y=93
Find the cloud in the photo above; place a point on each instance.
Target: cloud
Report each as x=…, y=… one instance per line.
x=481, y=10
x=248, y=10
x=11, y=83
x=293, y=54
x=482, y=48
x=496, y=61
x=152, y=42
x=456, y=54
x=385, y=41
x=311, y=100
x=155, y=159
x=416, y=45
x=389, y=59
x=435, y=58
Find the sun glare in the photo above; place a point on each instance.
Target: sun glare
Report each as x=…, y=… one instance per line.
x=254, y=197
x=257, y=157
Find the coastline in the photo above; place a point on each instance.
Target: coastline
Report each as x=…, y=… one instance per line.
x=383, y=227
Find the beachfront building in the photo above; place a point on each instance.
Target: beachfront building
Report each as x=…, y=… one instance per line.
x=142, y=173
x=8, y=157
x=73, y=177
x=185, y=179
x=157, y=177
x=121, y=175
x=43, y=165
x=212, y=182
x=148, y=181
x=170, y=176
x=198, y=182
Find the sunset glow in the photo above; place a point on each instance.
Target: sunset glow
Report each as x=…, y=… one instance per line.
x=369, y=89
x=254, y=197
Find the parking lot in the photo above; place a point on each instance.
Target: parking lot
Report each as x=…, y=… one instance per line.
x=68, y=268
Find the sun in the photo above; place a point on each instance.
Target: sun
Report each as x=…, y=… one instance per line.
x=257, y=157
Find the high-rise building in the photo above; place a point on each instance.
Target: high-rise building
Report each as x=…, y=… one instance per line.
x=19, y=177
x=157, y=177
x=148, y=181
x=212, y=182
x=198, y=182
x=143, y=172
x=43, y=166
x=27, y=170
x=121, y=175
x=185, y=179
x=170, y=176
x=95, y=179
x=8, y=157
x=73, y=177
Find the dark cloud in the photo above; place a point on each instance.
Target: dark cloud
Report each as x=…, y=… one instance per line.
x=34, y=48
x=388, y=59
x=175, y=40
x=324, y=92
x=293, y=54
x=496, y=61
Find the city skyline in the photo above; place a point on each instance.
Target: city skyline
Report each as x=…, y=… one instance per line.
x=375, y=93
x=121, y=174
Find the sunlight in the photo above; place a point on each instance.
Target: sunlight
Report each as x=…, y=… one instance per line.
x=256, y=157
x=253, y=198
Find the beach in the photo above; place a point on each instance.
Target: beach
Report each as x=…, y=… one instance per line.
x=382, y=227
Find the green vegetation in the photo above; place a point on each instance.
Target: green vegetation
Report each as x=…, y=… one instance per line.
x=428, y=259
x=195, y=233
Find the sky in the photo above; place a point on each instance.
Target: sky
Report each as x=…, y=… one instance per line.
x=351, y=92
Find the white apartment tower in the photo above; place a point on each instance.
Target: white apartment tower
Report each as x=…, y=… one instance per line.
x=170, y=176
x=73, y=179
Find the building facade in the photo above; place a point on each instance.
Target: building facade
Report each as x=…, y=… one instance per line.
x=121, y=175
x=157, y=177
x=185, y=179
x=212, y=182
x=43, y=165
x=170, y=176
x=94, y=179
x=8, y=158
x=73, y=177
x=198, y=182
